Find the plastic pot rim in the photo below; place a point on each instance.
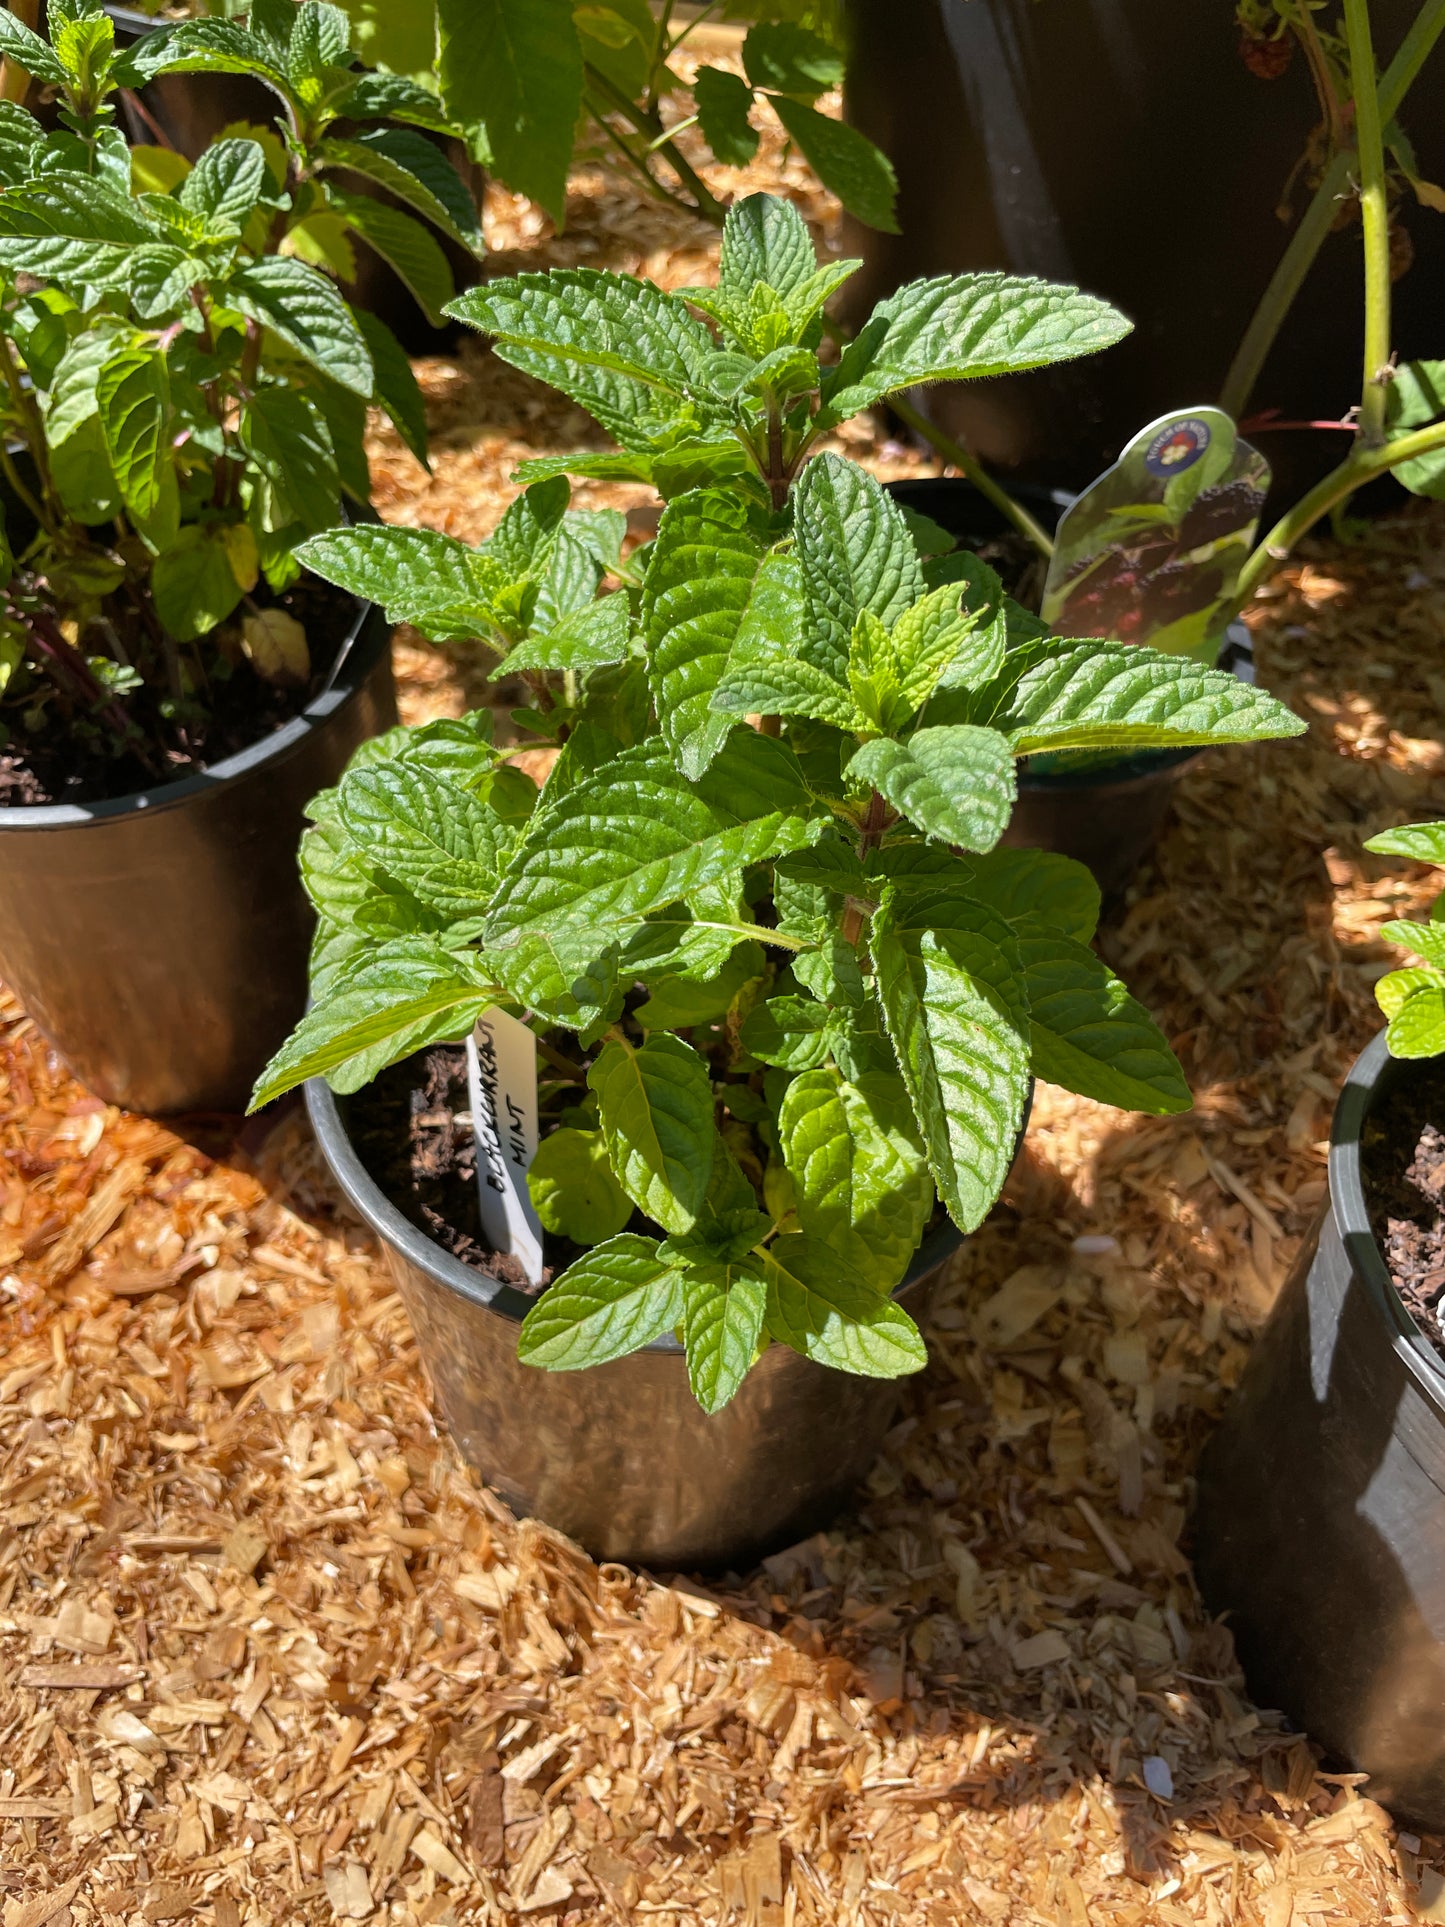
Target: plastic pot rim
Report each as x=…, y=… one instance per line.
x=368, y=634
x=367, y=1198
x=1362, y=1089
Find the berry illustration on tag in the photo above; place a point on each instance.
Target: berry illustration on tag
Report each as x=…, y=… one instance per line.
x=1152, y=550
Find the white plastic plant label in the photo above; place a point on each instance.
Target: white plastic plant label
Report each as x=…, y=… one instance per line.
x=502, y=1085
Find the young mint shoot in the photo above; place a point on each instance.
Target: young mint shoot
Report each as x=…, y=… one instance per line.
x=788, y=990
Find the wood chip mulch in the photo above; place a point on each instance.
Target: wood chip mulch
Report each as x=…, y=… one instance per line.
x=269, y=1653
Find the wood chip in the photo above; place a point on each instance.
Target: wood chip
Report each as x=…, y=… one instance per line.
x=94, y=1676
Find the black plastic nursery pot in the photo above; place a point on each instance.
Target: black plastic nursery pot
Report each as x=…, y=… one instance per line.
x=160, y=940
x=1320, y=1519
x=1108, y=818
x=621, y=1457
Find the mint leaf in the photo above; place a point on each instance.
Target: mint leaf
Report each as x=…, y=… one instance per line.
x=615, y=1300
x=694, y=602
x=410, y=249
x=65, y=228
x=133, y=398
x=590, y=636
x=860, y=1177
x=855, y=553
x=656, y=1105
x=403, y=995
x=396, y=388
x=635, y=836
x=1089, y=1034
x=1114, y=695
x=516, y=67
x=432, y=581
x=956, y=785
x=437, y=839
x=1021, y=883
x=789, y=1032
x=1427, y=940
x=766, y=240
x=193, y=583
x=722, y=1323
x=1414, y=1002
x=29, y=52
x=952, y=1001
x=572, y=1186
x=819, y=1306
x=845, y=161
x=621, y=348
x=301, y=306
x=225, y=184
x=1425, y=842
x=966, y=327
x=723, y=101
x=765, y=674
x=296, y=475
x=939, y=640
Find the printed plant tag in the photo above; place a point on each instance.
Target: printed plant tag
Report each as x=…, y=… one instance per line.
x=502, y=1083
x=1152, y=550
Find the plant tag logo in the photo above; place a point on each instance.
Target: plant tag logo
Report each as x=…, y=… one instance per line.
x=502, y=1084
x=1177, y=446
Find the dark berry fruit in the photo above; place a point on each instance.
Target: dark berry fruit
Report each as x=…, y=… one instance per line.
x=1266, y=55
x=1217, y=511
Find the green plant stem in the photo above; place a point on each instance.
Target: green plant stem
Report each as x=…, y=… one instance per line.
x=1362, y=465
x=955, y=452
x=1375, y=222
x=1318, y=218
x=708, y=204
x=23, y=494
x=563, y=1065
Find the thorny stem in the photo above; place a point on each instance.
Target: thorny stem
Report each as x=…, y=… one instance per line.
x=1375, y=222
x=1318, y=218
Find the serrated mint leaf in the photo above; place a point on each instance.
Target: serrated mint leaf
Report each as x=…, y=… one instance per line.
x=953, y=1004
x=432, y=581
x=133, y=398
x=301, y=306
x=860, y=1178
x=845, y=161
x=1021, y=883
x=787, y=1032
x=635, y=836
x=225, y=184
x=1426, y=940
x=66, y=228
x=855, y=553
x=728, y=1224
x=29, y=52
x=656, y=1105
x=598, y=633
x=694, y=602
x=410, y=249
x=1425, y=842
x=515, y=66
x=820, y=1307
x=1414, y=1002
x=677, y=1003
x=405, y=994
x=585, y=992
x=765, y=673
x=395, y=389
x=1114, y=695
x=624, y=350
x=413, y=169
x=573, y=1188
x=723, y=102
x=437, y=839
x=956, y=785
x=1089, y=1034
x=722, y=1325
x=765, y=239
x=615, y=1300
x=193, y=582
x=938, y=638
x=297, y=481
x=967, y=327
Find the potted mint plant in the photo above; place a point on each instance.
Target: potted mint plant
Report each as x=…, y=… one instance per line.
x=183, y=397
x=781, y=994
x=1330, y=1568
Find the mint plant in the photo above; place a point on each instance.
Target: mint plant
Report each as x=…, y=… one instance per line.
x=787, y=992
x=1413, y=999
x=183, y=389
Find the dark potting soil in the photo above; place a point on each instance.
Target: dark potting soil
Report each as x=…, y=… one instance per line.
x=1403, y=1167
x=405, y=1130
x=58, y=766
